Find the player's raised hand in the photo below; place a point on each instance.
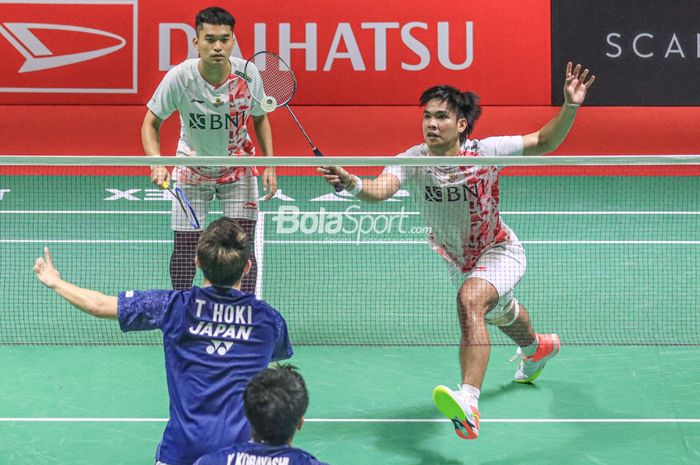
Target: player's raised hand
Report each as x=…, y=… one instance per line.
x=335, y=175
x=45, y=271
x=576, y=84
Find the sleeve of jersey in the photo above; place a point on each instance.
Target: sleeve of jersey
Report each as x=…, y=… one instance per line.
x=503, y=146
x=164, y=100
x=398, y=171
x=283, y=347
x=142, y=310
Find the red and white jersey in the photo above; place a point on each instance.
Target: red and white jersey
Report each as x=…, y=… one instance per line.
x=212, y=118
x=460, y=203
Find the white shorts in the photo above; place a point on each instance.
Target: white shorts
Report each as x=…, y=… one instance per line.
x=502, y=265
x=237, y=200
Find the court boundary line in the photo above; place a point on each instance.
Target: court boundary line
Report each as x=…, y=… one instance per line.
x=364, y=420
x=334, y=242
x=167, y=212
x=259, y=247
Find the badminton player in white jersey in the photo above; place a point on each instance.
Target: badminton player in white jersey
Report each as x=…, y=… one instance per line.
x=460, y=204
x=214, y=103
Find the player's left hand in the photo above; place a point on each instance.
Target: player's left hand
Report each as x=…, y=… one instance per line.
x=575, y=85
x=269, y=182
x=45, y=271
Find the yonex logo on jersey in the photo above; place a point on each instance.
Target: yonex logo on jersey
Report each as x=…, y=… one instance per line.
x=454, y=193
x=243, y=75
x=219, y=347
x=213, y=121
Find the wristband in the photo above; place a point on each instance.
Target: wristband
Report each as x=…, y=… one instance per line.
x=572, y=105
x=357, y=188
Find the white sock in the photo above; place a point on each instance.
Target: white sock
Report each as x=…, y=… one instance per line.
x=530, y=350
x=471, y=393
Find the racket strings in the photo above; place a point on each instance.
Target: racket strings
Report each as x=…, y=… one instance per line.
x=278, y=79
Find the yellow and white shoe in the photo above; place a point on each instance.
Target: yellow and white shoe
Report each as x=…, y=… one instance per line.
x=456, y=407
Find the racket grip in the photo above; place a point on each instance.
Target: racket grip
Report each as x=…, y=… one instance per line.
x=339, y=188
x=317, y=152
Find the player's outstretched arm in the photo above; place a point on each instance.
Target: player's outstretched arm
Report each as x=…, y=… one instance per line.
x=150, y=138
x=380, y=188
x=553, y=133
x=92, y=302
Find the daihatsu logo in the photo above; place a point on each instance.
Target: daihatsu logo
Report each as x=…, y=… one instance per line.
x=39, y=57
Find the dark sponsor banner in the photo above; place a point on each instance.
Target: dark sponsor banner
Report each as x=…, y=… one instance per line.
x=642, y=52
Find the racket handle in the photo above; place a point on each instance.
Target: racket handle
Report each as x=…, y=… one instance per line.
x=317, y=152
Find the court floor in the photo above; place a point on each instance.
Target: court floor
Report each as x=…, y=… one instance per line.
x=620, y=288
x=85, y=405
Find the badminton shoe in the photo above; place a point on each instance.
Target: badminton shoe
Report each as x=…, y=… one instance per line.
x=530, y=367
x=459, y=409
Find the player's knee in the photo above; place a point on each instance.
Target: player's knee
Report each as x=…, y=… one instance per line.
x=504, y=316
x=472, y=302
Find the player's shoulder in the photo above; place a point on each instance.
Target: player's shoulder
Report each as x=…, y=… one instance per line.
x=263, y=306
x=490, y=145
x=185, y=71
x=419, y=150
x=237, y=62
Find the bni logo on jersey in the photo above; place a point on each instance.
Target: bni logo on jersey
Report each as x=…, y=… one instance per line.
x=64, y=46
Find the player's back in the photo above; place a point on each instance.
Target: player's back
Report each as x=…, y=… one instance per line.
x=215, y=339
x=254, y=452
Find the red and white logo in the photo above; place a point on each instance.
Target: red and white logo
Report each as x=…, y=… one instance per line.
x=64, y=46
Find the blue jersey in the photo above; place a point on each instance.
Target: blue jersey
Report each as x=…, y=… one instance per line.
x=255, y=453
x=215, y=339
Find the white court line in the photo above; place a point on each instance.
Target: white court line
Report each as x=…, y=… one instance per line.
x=376, y=242
x=86, y=241
x=259, y=249
x=167, y=212
x=422, y=242
x=372, y=420
x=85, y=212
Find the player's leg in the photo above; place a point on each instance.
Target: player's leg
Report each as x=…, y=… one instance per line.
x=504, y=266
x=534, y=350
x=182, y=266
x=239, y=201
x=476, y=296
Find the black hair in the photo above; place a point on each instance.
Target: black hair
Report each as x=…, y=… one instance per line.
x=275, y=401
x=223, y=251
x=464, y=104
x=214, y=15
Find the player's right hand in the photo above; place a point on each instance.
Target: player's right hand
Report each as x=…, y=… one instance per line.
x=45, y=271
x=159, y=175
x=335, y=175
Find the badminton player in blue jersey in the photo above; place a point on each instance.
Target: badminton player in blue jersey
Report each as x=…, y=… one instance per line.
x=275, y=402
x=215, y=339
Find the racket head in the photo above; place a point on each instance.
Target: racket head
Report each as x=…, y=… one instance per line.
x=186, y=207
x=279, y=84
